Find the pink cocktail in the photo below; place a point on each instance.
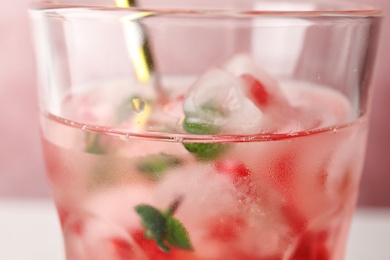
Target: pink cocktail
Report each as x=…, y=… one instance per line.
x=248, y=150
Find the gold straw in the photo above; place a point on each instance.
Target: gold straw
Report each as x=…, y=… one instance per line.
x=142, y=60
x=125, y=3
x=141, y=54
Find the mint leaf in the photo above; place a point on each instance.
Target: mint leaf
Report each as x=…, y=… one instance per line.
x=163, y=228
x=177, y=235
x=199, y=128
x=193, y=124
x=154, y=224
x=153, y=166
x=205, y=151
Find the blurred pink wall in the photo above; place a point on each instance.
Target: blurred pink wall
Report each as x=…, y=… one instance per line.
x=21, y=165
x=21, y=161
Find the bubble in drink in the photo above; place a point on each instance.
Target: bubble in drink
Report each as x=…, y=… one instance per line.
x=137, y=105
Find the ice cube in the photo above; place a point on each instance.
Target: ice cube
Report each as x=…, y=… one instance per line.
x=200, y=187
x=243, y=64
x=264, y=92
x=218, y=99
x=238, y=98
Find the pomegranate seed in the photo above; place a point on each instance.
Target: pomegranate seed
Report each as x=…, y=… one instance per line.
x=257, y=91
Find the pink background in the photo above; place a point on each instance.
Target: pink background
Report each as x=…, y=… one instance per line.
x=21, y=164
x=22, y=171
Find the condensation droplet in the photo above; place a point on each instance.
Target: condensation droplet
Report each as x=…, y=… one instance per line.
x=125, y=137
x=247, y=138
x=178, y=139
x=137, y=105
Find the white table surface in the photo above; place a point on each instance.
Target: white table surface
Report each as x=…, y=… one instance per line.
x=29, y=230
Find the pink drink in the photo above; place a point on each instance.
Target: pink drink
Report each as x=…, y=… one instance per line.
x=287, y=195
x=219, y=131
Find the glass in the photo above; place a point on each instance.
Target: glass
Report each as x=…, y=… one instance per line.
x=235, y=132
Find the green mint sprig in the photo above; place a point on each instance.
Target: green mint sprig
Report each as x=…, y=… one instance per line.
x=163, y=227
x=203, y=151
x=199, y=128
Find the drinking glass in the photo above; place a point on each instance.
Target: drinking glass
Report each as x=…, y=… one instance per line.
x=205, y=130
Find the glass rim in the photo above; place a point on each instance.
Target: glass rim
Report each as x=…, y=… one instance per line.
x=325, y=9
